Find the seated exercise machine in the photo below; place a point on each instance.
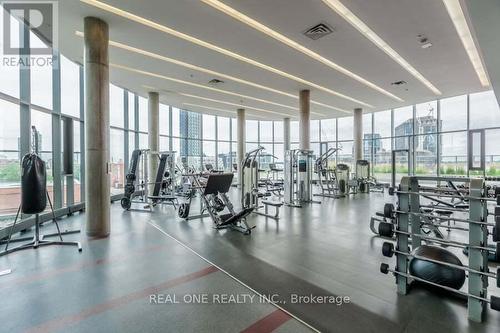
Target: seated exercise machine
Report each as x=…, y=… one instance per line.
x=298, y=177
x=213, y=190
x=366, y=182
x=327, y=180
x=137, y=181
x=250, y=193
x=274, y=180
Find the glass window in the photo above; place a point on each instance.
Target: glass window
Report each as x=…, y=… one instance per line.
x=252, y=131
x=278, y=131
x=41, y=77
x=164, y=143
x=143, y=141
x=367, y=124
x=9, y=72
x=131, y=111
x=209, y=128
x=43, y=123
x=175, y=122
x=223, y=132
x=10, y=171
x=484, y=110
x=279, y=152
x=453, y=113
x=403, y=121
x=143, y=114
x=328, y=130
x=426, y=121
x=117, y=165
x=116, y=110
x=164, y=119
x=453, y=160
x=314, y=130
x=131, y=143
x=426, y=154
x=77, y=164
x=382, y=124
x=294, y=131
x=209, y=153
x=382, y=159
x=224, y=156
x=70, y=87
x=9, y=130
x=492, y=138
x=234, y=129
x=345, y=128
x=346, y=153
x=266, y=131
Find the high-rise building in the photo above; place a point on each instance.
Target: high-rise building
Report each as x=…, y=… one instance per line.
x=190, y=128
x=425, y=129
x=371, y=143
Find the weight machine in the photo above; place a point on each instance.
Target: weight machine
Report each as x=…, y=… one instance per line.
x=298, y=170
x=327, y=180
x=137, y=180
x=250, y=193
x=213, y=190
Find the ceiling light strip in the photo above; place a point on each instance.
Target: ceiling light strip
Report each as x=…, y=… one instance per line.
x=215, y=48
x=349, y=16
x=186, y=82
x=233, y=104
x=193, y=84
x=293, y=44
x=460, y=22
x=221, y=110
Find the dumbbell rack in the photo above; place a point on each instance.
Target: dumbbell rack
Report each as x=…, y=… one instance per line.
x=408, y=210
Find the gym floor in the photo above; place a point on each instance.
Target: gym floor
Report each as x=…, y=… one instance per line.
x=321, y=249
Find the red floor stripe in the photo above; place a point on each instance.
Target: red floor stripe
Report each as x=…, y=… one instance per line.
x=269, y=323
x=77, y=267
x=62, y=322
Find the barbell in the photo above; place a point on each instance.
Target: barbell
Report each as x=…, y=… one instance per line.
x=493, y=301
x=388, y=250
x=386, y=229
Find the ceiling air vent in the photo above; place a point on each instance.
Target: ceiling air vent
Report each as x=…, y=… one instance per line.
x=398, y=83
x=318, y=31
x=215, y=82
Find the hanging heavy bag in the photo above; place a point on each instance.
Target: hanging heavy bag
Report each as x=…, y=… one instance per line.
x=33, y=185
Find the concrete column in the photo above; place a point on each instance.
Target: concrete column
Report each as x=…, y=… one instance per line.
x=240, y=140
x=304, y=120
x=97, y=193
x=286, y=134
x=153, y=135
x=358, y=134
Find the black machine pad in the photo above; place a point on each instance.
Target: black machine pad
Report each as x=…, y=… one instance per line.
x=218, y=183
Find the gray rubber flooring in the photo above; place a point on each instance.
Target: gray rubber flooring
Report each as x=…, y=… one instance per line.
x=322, y=249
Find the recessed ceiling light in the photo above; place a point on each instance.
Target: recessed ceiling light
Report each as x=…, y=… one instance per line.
x=215, y=48
x=349, y=16
x=293, y=44
x=458, y=17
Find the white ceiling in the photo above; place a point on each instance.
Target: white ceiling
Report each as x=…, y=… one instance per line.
x=398, y=22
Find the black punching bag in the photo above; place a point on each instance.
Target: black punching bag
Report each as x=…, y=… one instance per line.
x=33, y=185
